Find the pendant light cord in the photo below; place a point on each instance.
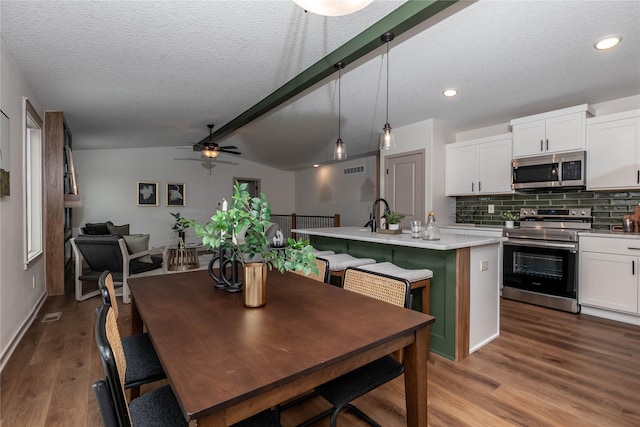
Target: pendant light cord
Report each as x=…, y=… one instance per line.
x=387, y=81
x=339, y=97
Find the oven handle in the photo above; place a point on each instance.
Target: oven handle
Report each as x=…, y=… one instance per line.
x=541, y=244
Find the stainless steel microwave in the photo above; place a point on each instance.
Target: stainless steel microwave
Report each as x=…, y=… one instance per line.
x=559, y=170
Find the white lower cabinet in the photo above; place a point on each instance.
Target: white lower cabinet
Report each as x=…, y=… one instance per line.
x=610, y=273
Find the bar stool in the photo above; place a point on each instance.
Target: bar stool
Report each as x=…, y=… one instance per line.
x=338, y=263
x=319, y=253
x=419, y=279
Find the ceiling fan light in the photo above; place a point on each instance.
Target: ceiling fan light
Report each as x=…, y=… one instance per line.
x=332, y=7
x=212, y=154
x=387, y=140
x=340, y=151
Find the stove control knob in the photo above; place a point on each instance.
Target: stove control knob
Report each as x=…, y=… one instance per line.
x=583, y=212
x=574, y=212
x=533, y=212
x=525, y=212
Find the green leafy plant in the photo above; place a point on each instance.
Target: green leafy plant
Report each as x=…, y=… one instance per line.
x=179, y=225
x=394, y=217
x=510, y=216
x=242, y=228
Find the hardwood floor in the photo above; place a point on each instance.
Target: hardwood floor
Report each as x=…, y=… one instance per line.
x=548, y=368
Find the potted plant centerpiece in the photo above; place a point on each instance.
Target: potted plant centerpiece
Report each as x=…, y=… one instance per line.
x=393, y=219
x=241, y=231
x=179, y=227
x=510, y=218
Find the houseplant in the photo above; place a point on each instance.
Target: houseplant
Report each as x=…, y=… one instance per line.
x=393, y=219
x=509, y=218
x=241, y=231
x=179, y=227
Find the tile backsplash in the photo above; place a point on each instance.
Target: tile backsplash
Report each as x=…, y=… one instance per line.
x=607, y=208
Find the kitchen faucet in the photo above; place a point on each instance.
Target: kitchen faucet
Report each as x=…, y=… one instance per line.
x=373, y=213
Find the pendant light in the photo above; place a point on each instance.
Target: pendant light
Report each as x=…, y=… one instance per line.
x=340, y=151
x=387, y=141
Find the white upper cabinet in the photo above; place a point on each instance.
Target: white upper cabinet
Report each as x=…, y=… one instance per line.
x=480, y=166
x=613, y=151
x=552, y=132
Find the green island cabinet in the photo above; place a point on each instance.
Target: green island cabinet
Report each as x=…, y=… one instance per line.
x=464, y=300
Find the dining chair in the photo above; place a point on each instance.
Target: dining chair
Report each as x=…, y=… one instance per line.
x=158, y=407
x=323, y=271
x=350, y=386
x=143, y=365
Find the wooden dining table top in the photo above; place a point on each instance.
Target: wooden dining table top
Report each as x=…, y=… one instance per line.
x=217, y=353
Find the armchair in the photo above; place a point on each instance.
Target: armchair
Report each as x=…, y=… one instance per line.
x=111, y=253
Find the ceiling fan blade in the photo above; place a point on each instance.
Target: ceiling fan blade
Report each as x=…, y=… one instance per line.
x=228, y=147
x=230, y=152
x=197, y=147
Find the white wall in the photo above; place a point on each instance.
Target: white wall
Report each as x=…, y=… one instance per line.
x=19, y=299
x=326, y=190
x=107, y=187
x=432, y=137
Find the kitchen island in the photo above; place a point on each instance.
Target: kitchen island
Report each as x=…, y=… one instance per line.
x=467, y=270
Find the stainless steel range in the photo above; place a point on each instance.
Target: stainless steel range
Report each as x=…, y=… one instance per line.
x=540, y=262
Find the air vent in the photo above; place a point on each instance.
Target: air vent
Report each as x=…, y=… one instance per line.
x=355, y=169
x=51, y=317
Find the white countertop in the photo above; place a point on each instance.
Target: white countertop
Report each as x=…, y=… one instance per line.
x=450, y=238
x=605, y=233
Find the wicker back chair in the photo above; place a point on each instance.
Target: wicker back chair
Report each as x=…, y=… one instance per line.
x=348, y=387
x=323, y=271
x=143, y=365
x=382, y=287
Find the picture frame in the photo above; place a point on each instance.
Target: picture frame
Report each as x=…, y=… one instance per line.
x=175, y=194
x=147, y=193
x=5, y=182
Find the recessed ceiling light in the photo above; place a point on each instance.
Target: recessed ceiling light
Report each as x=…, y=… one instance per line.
x=607, y=42
x=316, y=165
x=450, y=92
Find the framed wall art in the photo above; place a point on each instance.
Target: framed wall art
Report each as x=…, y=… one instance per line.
x=147, y=193
x=5, y=184
x=176, y=194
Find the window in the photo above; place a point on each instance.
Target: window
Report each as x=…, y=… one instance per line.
x=33, y=183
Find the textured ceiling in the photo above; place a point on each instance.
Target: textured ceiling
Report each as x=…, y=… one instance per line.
x=141, y=73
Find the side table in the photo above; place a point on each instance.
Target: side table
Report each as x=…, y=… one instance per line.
x=182, y=259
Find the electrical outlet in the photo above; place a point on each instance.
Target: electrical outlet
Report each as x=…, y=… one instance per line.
x=484, y=265
x=492, y=208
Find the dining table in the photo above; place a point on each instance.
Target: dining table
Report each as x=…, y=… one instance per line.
x=226, y=362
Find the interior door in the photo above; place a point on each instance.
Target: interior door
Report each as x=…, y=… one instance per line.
x=253, y=185
x=405, y=186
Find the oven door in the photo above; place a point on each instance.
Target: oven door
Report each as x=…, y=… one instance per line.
x=549, y=268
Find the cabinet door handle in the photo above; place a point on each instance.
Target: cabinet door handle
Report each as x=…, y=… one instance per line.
x=473, y=186
x=633, y=268
x=479, y=186
x=631, y=248
x=541, y=142
x=638, y=177
x=547, y=145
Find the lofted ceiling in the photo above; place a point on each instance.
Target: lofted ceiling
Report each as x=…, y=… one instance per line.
x=154, y=74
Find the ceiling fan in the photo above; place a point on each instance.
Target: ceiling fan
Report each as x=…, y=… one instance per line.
x=210, y=149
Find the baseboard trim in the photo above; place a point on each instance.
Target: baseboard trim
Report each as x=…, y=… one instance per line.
x=23, y=330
